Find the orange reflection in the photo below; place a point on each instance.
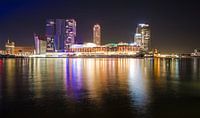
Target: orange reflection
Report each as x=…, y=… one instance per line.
x=157, y=68
x=10, y=73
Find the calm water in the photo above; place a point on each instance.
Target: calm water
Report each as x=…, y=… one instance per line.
x=100, y=88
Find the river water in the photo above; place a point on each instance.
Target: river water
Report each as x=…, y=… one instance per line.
x=100, y=88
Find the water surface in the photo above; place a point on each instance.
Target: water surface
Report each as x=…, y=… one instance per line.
x=100, y=87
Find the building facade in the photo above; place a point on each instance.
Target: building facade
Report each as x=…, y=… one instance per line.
x=60, y=34
x=97, y=34
x=143, y=37
x=10, y=46
x=70, y=33
x=40, y=44
x=24, y=50
x=108, y=49
x=11, y=49
x=50, y=35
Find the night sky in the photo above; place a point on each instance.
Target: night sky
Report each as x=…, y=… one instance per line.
x=175, y=24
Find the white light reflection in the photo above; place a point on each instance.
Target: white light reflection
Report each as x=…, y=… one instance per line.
x=37, y=82
x=138, y=86
x=175, y=68
x=195, y=68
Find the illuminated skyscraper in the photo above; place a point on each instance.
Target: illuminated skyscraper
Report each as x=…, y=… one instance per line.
x=70, y=33
x=60, y=34
x=97, y=34
x=50, y=35
x=142, y=36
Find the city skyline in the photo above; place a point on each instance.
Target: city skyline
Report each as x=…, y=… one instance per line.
x=174, y=24
x=99, y=58
x=60, y=40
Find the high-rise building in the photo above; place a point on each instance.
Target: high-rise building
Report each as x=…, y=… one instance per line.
x=97, y=34
x=60, y=34
x=50, y=35
x=142, y=36
x=40, y=44
x=70, y=33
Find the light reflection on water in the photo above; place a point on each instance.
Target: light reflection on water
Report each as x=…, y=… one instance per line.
x=138, y=85
x=132, y=86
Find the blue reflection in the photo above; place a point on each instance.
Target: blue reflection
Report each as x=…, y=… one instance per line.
x=73, y=78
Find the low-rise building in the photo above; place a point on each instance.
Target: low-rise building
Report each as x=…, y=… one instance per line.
x=10, y=46
x=108, y=49
x=23, y=50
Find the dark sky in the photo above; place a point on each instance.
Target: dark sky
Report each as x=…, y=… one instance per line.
x=175, y=24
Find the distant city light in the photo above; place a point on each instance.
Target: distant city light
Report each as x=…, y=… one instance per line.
x=90, y=45
x=144, y=25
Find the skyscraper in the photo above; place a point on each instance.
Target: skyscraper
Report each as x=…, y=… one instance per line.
x=70, y=33
x=97, y=34
x=60, y=34
x=142, y=36
x=50, y=35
